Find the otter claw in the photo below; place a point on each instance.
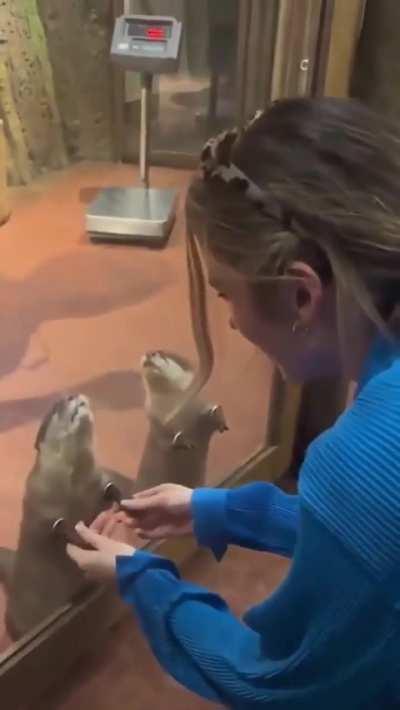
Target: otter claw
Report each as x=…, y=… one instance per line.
x=217, y=413
x=68, y=534
x=179, y=442
x=112, y=493
x=58, y=527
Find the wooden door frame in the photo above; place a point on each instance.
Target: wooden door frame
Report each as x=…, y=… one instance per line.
x=118, y=76
x=347, y=22
x=298, y=39
x=323, y=47
x=258, y=24
x=302, y=26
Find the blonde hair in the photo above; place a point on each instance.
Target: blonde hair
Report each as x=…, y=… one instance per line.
x=330, y=173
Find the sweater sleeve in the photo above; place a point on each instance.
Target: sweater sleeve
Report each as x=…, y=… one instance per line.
x=321, y=640
x=258, y=516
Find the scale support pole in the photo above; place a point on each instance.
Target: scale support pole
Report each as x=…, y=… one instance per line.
x=148, y=45
x=145, y=127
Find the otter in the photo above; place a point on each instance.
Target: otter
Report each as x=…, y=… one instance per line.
x=178, y=456
x=65, y=484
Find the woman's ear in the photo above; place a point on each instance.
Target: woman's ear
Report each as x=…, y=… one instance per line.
x=307, y=294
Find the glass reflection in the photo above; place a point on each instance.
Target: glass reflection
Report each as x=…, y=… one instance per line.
x=201, y=99
x=79, y=319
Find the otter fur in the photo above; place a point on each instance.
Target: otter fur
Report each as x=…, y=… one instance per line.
x=179, y=456
x=65, y=483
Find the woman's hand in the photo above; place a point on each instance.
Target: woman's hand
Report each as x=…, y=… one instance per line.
x=99, y=564
x=164, y=511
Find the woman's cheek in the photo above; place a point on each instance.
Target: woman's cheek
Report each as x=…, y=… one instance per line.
x=245, y=327
x=232, y=323
x=244, y=322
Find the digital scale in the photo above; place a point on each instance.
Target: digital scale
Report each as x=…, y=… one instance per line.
x=149, y=45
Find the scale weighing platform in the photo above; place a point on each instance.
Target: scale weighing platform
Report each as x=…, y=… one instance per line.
x=144, y=215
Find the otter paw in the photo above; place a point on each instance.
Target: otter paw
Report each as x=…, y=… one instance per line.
x=180, y=442
x=218, y=416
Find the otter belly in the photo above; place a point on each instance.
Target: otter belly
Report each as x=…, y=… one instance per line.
x=44, y=578
x=44, y=581
x=163, y=463
x=65, y=483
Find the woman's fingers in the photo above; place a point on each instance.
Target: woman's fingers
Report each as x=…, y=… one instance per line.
x=148, y=493
x=92, y=538
x=138, y=505
x=110, y=527
x=152, y=519
x=156, y=533
x=83, y=558
x=145, y=499
x=147, y=520
x=125, y=519
x=163, y=531
x=100, y=522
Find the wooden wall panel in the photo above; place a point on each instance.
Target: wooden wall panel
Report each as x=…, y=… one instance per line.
x=346, y=27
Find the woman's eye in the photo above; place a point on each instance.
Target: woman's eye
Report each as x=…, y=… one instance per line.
x=222, y=295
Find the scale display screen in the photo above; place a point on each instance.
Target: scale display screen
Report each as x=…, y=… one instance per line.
x=149, y=31
x=147, y=44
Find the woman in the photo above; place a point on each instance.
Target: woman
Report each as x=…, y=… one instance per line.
x=298, y=220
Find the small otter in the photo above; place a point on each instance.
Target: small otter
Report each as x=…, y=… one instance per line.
x=179, y=456
x=65, y=483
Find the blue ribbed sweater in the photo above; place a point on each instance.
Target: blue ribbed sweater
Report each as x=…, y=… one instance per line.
x=329, y=637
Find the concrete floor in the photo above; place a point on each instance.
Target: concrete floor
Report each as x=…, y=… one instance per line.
x=78, y=317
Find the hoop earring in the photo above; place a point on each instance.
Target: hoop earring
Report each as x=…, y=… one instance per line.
x=298, y=328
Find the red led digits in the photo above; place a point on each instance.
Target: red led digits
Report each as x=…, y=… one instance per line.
x=155, y=33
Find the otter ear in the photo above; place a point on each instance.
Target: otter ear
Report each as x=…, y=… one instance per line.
x=307, y=296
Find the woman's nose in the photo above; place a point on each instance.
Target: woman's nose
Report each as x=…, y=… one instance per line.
x=232, y=323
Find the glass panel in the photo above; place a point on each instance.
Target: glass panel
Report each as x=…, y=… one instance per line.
x=78, y=318
x=241, y=384
x=296, y=52
x=201, y=98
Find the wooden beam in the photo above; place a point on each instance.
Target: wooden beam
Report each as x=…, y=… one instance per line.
x=323, y=48
x=118, y=91
x=242, y=59
x=346, y=26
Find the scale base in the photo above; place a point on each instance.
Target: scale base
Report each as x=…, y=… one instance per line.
x=132, y=216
